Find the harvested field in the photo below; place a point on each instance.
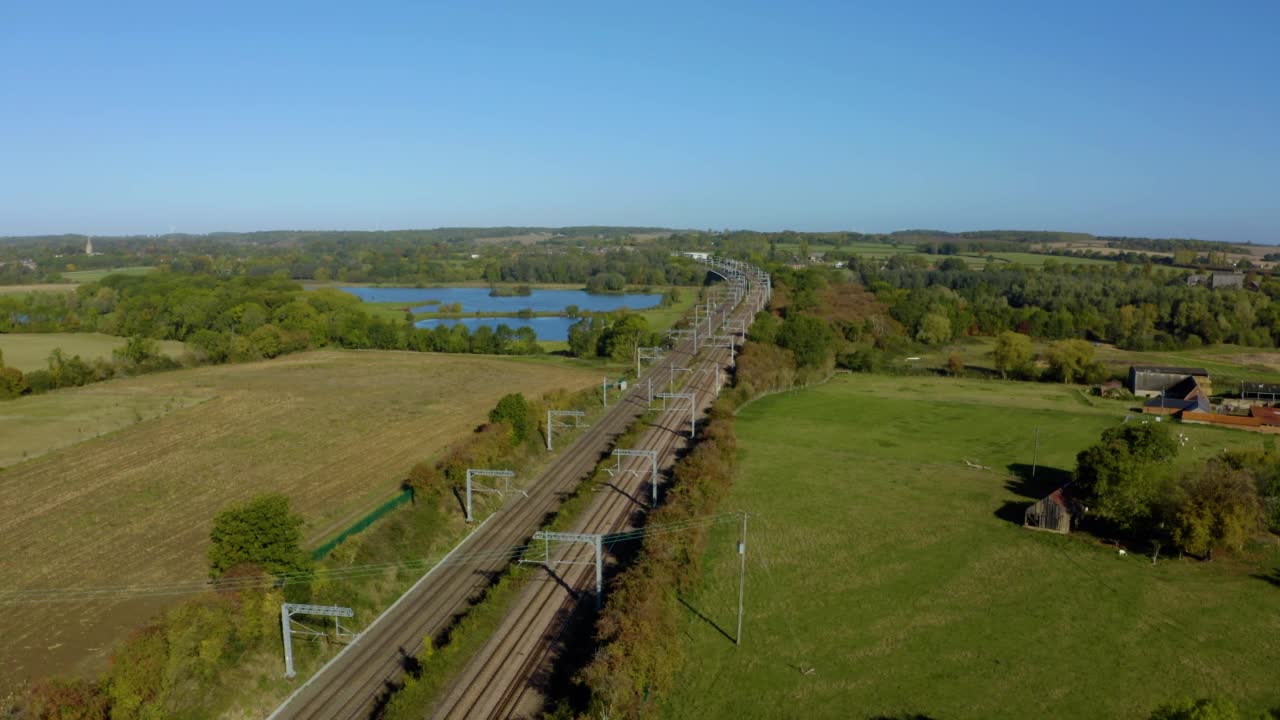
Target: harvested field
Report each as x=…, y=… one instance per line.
x=30, y=351
x=334, y=430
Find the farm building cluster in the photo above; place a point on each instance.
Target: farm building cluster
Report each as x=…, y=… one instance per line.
x=1183, y=393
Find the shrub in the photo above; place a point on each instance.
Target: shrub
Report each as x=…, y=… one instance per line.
x=1218, y=507
x=262, y=532
x=1202, y=709
x=513, y=410
x=12, y=382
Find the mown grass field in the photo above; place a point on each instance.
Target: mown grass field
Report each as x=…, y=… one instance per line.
x=84, y=276
x=336, y=431
x=887, y=578
x=30, y=351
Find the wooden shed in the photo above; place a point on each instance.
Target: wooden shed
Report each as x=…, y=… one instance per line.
x=1052, y=513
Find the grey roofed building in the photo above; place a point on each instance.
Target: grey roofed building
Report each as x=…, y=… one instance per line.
x=1223, y=281
x=1153, y=380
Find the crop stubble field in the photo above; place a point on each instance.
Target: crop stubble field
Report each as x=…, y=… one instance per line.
x=903, y=579
x=335, y=431
x=30, y=351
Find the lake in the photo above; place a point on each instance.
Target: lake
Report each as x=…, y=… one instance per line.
x=476, y=299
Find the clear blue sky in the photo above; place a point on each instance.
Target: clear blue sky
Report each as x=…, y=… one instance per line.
x=1144, y=118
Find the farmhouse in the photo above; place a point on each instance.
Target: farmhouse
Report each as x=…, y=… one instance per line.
x=1155, y=380
x=1052, y=513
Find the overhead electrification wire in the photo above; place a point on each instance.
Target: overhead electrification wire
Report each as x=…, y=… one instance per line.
x=354, y=572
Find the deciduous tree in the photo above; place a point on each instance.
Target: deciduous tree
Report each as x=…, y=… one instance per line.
x=1122, y=477
x=1012, y=353
x=1216, y=508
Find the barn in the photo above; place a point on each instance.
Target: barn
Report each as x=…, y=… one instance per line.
x=1052, y=513
x=1155, y=380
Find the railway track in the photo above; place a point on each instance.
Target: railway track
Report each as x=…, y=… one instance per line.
x=355, y=684
x=500, y=680
x=496, y=683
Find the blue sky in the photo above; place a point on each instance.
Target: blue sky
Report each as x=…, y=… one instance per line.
x=1141, y=118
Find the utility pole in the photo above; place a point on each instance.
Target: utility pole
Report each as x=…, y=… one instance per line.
x=742, y=576
x=1035, y=454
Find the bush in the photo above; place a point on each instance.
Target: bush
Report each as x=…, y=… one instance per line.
x=12, y=383
x=262, y=532
x=513, y=410
x=1217, y=507
x=1202, y=709
x=40, y=381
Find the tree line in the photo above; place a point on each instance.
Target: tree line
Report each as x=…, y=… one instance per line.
x=253, y=318
x=576, y=255
x=1135, y=307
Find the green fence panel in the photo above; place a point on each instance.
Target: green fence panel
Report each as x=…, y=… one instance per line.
x=321, y=552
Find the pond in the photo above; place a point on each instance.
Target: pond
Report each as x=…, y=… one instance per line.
x=476, y=299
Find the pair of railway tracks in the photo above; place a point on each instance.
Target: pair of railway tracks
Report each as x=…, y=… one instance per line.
x=355, y=684
x=502, y=679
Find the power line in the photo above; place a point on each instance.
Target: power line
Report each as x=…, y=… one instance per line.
x=353, y=572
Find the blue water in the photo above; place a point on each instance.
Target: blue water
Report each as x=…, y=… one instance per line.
x=478, y=300
x=547, y=328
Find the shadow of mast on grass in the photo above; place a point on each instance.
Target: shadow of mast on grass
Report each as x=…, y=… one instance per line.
x=706, y=619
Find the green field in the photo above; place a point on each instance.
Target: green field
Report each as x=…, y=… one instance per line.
x=887, y=578
x=1031, y=259
x=30, y=351
x=84, y=276
x=661, y=319
x=39, y=287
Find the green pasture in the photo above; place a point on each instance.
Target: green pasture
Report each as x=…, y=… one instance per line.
x=661, y=319
x=30, y=351
x=888, y=578
x=84, y=276
x=1035, y=260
